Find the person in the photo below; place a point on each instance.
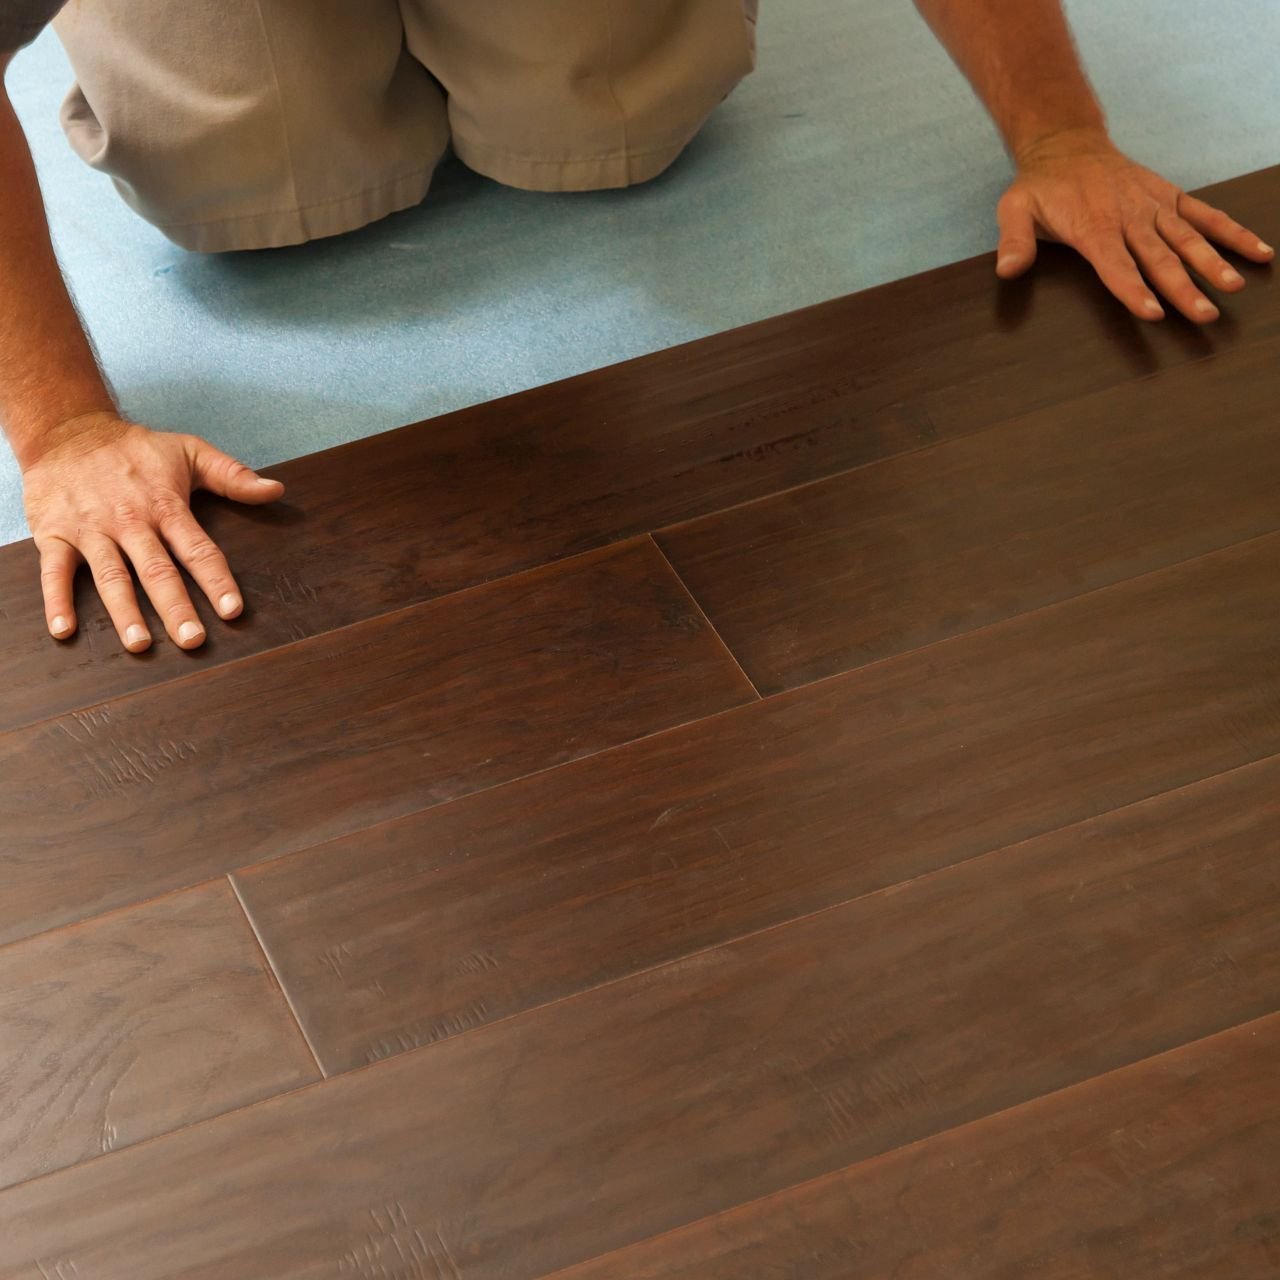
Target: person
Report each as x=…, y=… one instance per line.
x=242, y=124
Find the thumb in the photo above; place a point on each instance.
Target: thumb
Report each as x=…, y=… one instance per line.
x=220, y=473
x=1017, y=251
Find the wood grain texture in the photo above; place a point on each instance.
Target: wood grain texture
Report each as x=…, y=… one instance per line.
x=508, y=900
x=173, y=785
x=903, y=553
x=134, y=1025
x=488, y=491
x=549, y=1138
x=1163, y=1170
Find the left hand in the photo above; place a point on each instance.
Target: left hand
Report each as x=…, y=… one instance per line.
x=1077, y=188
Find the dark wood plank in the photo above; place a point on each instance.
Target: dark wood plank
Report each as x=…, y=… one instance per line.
x=487, y=906
x=1163, y=1170
x=134, y=1025
x=497, y=488
x=884, y=559
x=175, y=784
x=595, y=1122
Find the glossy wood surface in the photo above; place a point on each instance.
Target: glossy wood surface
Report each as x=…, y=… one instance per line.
x=1168, y=1175
x=403, y=517
x=134, y=1025
x=465, y=913
x=251, y=760
x=737, y=1071
x=901, y=554
x=478, y=909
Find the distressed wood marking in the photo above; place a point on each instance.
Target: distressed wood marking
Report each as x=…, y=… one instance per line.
x=429, y=1031
x=335, y=959
x=125, y=765
x=59, y=1269
x=293, y=590
x=476, y=962
x=397, y=1250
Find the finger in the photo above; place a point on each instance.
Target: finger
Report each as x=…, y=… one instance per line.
x=220, y=473
x=58, y=563
x=1115, y=266
x=1197, y=252
x=164, y=587
x=1017, y=250
x=206, y=564
x=1223, y=229
x=1164, y=269
x=115, y=586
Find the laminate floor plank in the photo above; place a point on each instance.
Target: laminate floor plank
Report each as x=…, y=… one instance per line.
x=1163, y=1170
x=527, y=893
x=136, y=1024
x=173, y=785
x=498, y=488
x=558, y=1135
x=906, y=552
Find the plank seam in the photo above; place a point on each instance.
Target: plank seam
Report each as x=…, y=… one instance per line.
x=278, y=981
x=702, y=613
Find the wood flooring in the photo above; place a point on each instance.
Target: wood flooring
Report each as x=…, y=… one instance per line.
x=801, y=804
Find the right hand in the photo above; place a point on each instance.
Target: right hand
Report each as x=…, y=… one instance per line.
x=104, y=490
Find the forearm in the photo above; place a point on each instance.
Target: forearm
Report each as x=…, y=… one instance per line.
x=48, y=374
x=1021, y=60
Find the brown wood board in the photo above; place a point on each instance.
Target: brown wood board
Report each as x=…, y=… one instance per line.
x=906, y=552
x=503, y=901
x=595, y=1122
x=176, y=784
x=1163, y=1170
x=135, y=1024
x=487, y=491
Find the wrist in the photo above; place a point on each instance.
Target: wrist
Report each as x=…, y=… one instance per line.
x=81, y=433
x=1062, y=140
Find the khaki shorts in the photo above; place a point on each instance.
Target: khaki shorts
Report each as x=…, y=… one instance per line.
x=238, y=124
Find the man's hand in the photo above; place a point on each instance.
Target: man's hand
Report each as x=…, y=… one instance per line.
x=107, y=491
x=1128, y=222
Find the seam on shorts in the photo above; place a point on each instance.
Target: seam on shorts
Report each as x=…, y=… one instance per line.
x=608, y=79
x=284, y=119
x=303, y=208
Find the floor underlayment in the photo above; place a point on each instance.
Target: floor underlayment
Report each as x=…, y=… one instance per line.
x=854, y=155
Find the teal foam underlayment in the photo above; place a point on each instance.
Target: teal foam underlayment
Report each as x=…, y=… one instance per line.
x=854, y=155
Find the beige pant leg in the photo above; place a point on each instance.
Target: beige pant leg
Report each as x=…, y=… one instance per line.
x=568, y=95
x=240, y=124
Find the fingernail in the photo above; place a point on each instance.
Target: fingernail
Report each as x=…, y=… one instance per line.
x=136, y=635
x=1231, y=276
x=189, y=631
x=1263, y=247
x=229, y=603
x=1153, y=308
x=1205, y=307
x=262, y=480
x=60, y=625
x=1003, y=264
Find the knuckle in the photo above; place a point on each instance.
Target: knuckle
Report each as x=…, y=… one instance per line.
x=157, y=569
x=1163, y=260
x=204, y=554
x=167, y=507
x=125, y=515
x=114, y=577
